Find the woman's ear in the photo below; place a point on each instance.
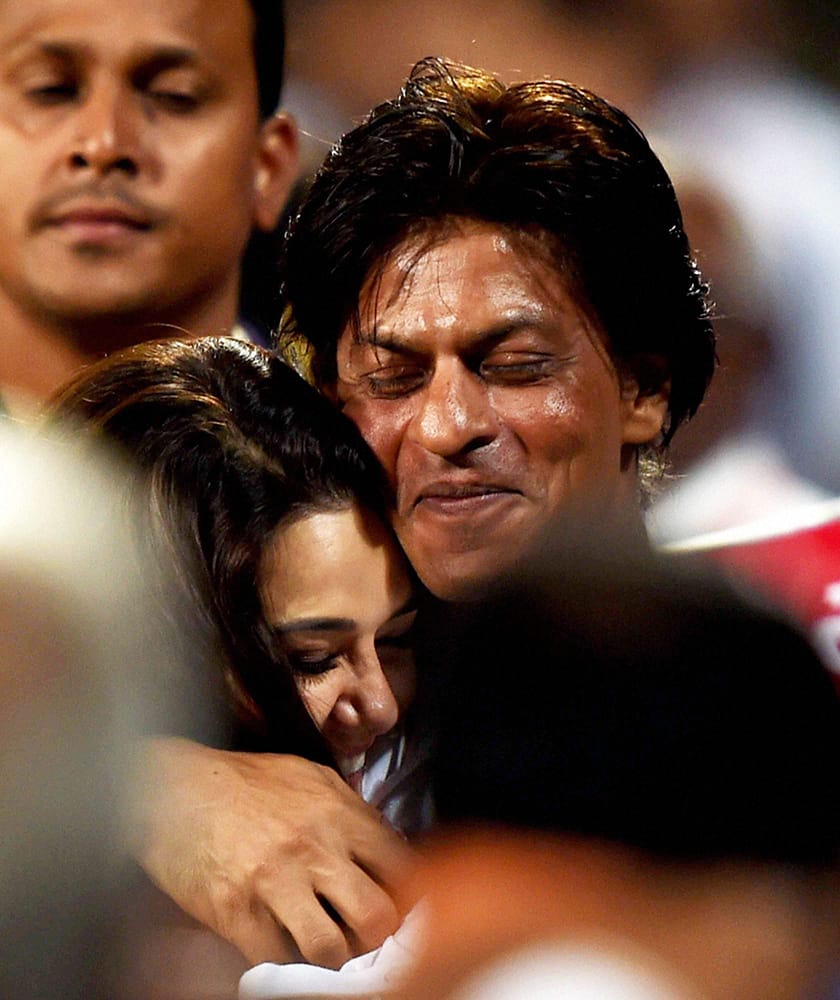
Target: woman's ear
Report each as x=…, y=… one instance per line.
x=275, y=170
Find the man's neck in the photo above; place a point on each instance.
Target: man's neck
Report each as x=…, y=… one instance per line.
x=37, y=356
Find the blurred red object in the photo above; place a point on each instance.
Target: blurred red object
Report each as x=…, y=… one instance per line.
x=794, y=560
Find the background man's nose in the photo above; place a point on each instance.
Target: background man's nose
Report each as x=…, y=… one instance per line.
x=456, y=413
x=107, y=135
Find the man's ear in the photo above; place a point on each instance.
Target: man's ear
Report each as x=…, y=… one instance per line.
x=330, y=390
x=276, y=169
x=644, y=413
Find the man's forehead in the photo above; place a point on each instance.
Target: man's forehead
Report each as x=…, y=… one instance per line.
x=88, y=23
x=454, y=241
x=461, y=267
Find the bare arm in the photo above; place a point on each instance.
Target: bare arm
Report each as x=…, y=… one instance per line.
x=274, y=853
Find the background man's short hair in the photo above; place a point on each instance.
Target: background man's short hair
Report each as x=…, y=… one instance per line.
x=269, y=52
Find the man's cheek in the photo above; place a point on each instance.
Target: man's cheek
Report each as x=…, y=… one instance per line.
x=382, y=428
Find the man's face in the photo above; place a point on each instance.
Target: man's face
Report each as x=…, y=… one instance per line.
x=491, y=400
x=133, y=164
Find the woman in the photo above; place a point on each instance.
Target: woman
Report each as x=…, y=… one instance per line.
x=272, y=510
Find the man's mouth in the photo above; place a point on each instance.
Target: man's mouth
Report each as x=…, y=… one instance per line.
x=461, y=498
x=96, y=216
x=474, y=502
x=95, y=221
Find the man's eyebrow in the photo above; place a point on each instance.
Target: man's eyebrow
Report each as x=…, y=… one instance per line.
x=156, y=57
x=386, y=340
x=389, y=340
x=55, y=49
x=159, y=57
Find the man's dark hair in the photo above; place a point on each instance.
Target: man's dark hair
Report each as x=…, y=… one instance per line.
x=546, y=161
x=269, y=52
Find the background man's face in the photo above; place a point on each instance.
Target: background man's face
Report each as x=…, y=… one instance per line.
x=490, y=399
x=132, y=160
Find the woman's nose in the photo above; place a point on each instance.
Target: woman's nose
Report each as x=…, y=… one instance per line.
x=370, y=706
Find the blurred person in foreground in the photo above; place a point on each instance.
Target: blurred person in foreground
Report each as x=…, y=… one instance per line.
x=498, y=291
x=140, y=146
x=94, y=653
x=636, y=775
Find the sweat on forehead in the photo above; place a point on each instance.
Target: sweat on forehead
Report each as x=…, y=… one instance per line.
x=528, y=249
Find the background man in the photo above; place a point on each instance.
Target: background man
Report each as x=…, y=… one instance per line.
x=514, y=321
x=139, y=148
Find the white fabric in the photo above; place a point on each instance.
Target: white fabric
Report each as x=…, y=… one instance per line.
x=396, y=783
x=367, y=976
x=743, y=481
x=573, y=972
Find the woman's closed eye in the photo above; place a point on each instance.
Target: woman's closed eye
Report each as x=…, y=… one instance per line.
x=312, y=664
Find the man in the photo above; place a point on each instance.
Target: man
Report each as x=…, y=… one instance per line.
x=514, y=320
x=139, y=148
x=500, y=294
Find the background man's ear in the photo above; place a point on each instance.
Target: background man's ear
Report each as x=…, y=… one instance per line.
x=276, y=169
x=644, y=412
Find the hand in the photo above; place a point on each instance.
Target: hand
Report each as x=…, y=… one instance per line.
x=274, y=853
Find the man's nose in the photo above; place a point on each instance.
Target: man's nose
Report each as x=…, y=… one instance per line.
x=107, y=134
x=456, y=413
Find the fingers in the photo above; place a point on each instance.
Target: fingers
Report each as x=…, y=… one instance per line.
x=366, y=911
x=340, y=916
x=274, y=853
x=259, y=937
x=315, y=930
x=320, y=937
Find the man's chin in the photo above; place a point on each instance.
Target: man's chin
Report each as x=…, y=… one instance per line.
x=463, y=576
x=457, y=557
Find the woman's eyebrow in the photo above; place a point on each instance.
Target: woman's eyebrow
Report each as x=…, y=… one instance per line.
x=314, y=625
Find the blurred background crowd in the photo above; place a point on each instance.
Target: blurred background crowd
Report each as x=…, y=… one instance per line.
x=740, y=100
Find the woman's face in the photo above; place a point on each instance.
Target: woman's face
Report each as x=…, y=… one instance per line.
x=335, y=587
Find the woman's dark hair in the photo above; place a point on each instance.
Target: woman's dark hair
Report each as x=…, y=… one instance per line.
x=230, y=443
x=544, y=159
